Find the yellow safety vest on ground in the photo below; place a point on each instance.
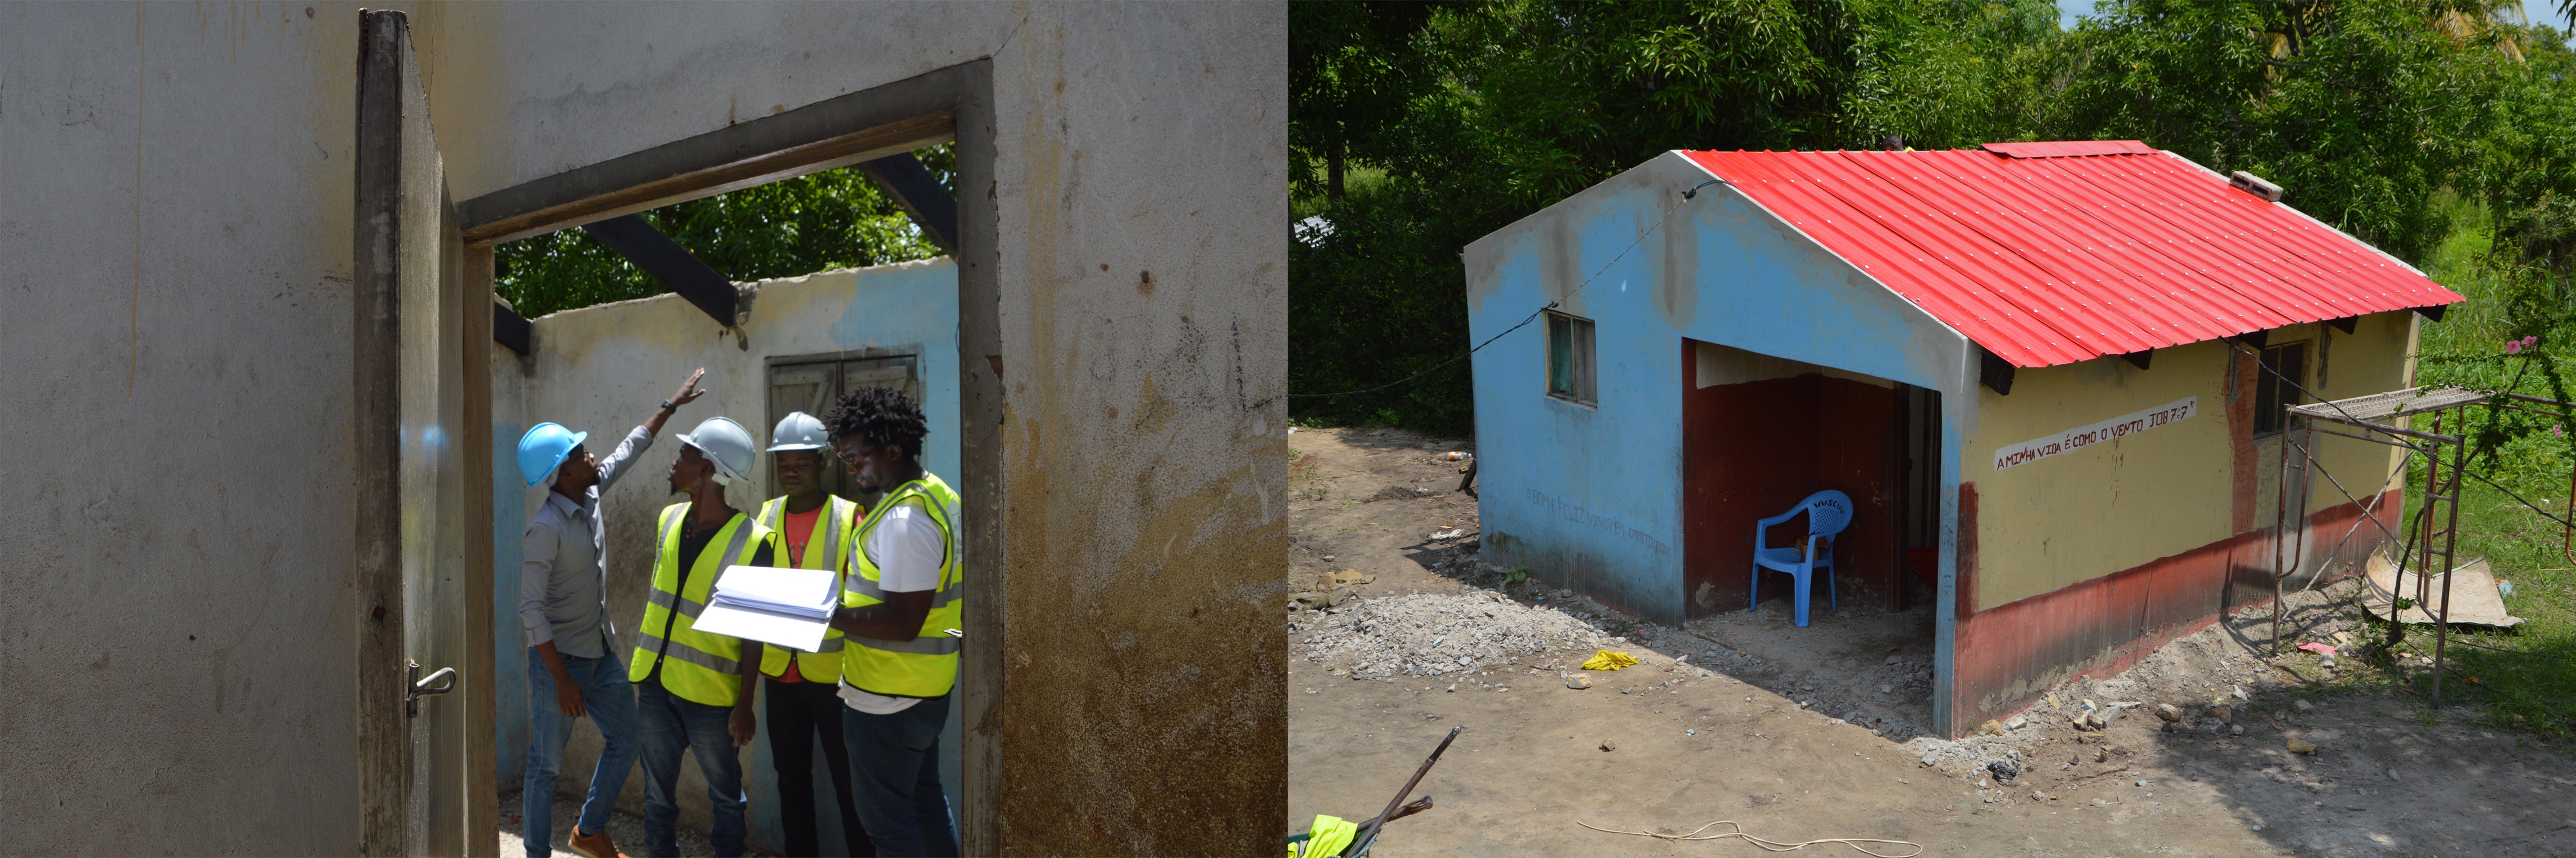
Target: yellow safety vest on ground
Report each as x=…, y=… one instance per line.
x=925, y=666
x=822, y=551
x=697, y=666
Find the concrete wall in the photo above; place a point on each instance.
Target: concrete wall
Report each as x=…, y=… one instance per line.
x=174, y=280
x=175, y=192
x=602, y=369
x=1591, y=497
x=2108, y=507
x=2080, y=562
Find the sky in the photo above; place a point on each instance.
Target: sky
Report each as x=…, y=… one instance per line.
x=2534, y=11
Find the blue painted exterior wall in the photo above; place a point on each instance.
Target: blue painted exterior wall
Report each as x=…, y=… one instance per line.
x=591, y=368
x=1591, y=497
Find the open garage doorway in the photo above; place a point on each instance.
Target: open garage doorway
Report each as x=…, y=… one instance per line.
x=1760, y=436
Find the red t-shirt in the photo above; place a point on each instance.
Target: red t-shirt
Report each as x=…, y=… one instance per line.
x=799, y=529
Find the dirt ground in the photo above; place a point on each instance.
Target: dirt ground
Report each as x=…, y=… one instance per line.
x=624, y=829
x=1800, y=734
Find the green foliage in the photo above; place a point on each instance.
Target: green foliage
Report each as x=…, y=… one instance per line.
x=817, y=222
x=1454, y=120
x=2525, y=676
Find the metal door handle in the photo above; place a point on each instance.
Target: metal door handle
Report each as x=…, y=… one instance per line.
x=421, y=686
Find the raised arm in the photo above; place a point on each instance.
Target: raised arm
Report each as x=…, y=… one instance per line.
x=637, y=441
x=688, y=392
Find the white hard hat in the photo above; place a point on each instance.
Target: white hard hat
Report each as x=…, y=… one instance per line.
x=798, y=431
x=725, y=443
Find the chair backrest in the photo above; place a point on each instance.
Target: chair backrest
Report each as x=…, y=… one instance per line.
x=1828, y=512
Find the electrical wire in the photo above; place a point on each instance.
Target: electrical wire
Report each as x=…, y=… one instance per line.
x=1534, y=314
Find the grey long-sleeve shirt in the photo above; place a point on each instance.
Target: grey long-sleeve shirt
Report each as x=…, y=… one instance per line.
x=563, y=565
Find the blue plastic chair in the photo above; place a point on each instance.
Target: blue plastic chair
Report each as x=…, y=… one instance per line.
x=1828, y=512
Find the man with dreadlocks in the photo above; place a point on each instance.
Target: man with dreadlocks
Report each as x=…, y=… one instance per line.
x=900, y=618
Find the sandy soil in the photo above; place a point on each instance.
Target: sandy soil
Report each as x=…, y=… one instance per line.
x=1741, y=717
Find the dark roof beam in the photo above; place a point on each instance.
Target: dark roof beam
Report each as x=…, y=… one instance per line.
x=918, y=193
x=667, y=261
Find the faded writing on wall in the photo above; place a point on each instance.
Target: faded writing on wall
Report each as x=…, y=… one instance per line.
x=1570, y=511
x=2108, y=430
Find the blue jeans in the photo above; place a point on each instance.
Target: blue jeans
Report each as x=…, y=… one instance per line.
x=609, y=700
x=671, y=726
x=894, y=767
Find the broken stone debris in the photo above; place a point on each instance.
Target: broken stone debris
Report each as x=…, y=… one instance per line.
x=1431, y=634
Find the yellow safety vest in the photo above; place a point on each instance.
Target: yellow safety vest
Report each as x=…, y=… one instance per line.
x=697, y=666
x=925, y=666
x=822, y=551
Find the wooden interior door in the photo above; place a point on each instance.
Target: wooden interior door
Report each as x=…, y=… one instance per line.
x=412, y=446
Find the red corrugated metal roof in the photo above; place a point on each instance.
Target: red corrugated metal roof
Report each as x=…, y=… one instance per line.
x=2056, y=252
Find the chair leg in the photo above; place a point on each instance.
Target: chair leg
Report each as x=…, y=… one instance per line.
x=1756, y=600
x=1801, y=585
x=1831, y=591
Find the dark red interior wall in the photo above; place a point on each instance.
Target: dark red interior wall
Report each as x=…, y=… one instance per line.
x=1751, y=450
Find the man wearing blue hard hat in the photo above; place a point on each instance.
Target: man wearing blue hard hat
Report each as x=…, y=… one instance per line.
x=563, y=608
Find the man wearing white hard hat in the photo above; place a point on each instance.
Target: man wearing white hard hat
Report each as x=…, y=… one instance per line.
x=807, y=525
x=693, y=688
x=573, y=670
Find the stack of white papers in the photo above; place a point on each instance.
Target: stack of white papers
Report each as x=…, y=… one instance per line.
x=787, y=607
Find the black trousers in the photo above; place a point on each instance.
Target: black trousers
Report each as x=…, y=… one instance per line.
x=798, y=711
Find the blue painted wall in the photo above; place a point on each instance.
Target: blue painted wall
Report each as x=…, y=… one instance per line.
x=1590, y=497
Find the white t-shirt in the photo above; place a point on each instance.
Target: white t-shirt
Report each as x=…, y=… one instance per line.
x=908, y=551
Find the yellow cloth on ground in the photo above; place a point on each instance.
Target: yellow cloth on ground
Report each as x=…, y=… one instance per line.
x=1607, y=660
x=1328, y=836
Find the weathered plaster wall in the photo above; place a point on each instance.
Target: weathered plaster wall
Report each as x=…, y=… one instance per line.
x=174, y=282
x=2082, y=561
x=174, y=207
x=1592, y=497
x=602, y=370
x=2090, y=512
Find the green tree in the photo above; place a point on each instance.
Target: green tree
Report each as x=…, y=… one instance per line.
x=1494, y=110
x=2359, y=109
x=817, y=222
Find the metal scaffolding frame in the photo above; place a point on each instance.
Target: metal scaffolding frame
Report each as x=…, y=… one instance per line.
x=2374, y=417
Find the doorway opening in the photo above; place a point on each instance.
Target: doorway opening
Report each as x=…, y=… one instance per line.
x=1761, y=436
x=450, y=373
x=791, y=295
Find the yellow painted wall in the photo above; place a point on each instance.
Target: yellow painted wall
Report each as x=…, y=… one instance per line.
x=2090, y=512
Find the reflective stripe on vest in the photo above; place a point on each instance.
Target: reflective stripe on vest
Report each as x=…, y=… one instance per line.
x=834, y=525
x=696, y=666
x=925, y=666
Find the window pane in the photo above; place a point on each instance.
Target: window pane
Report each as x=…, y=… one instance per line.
x=1584, y=375
x=1560, y=355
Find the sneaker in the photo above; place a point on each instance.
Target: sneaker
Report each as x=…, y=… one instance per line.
x=593, y=845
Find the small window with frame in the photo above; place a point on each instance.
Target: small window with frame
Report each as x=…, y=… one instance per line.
x=2272, y=395
x=1570, y=374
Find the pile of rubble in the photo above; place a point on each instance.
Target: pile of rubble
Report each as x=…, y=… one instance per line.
x=1431, y=634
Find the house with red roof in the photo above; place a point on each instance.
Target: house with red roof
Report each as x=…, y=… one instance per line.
x=2051, y=378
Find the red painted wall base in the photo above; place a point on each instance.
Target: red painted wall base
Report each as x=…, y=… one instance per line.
x=2007, y=655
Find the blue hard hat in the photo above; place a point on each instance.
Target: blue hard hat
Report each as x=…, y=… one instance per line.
x=545, y=447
